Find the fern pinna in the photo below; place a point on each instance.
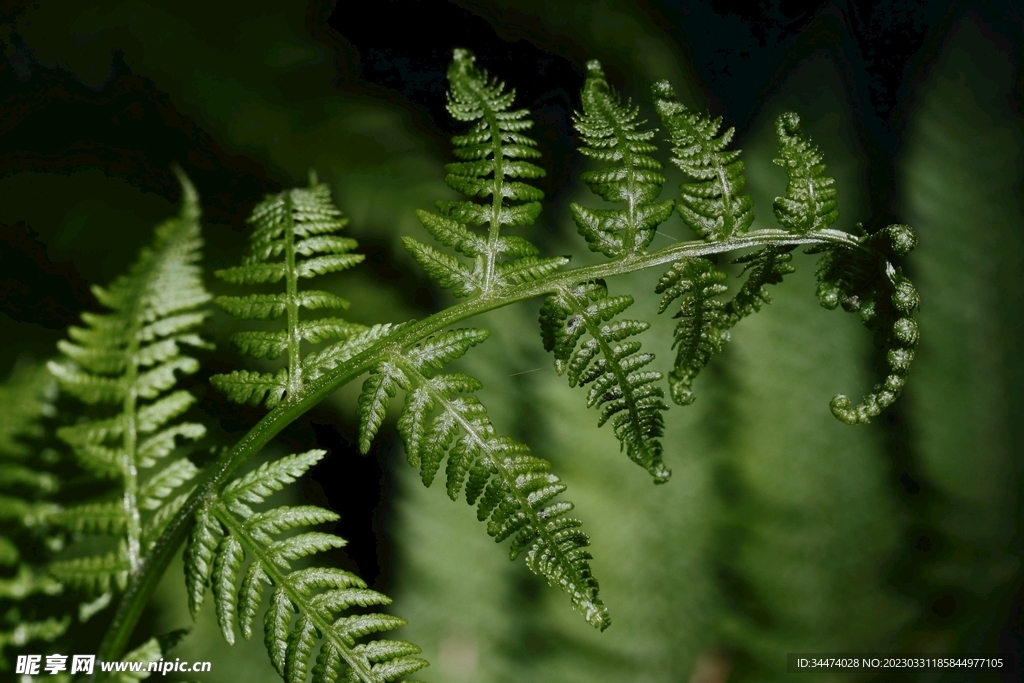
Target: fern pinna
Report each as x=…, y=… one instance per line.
x=27, y=487
x=493, y=151
x=129, y=360
x=294, y=238
x=513, y=490
x=228, y=530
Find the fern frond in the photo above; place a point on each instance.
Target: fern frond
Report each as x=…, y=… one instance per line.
x=611, y=133
x=712, y=204
x=704, y=319
x=614, y=367
x=492, y=153
x=293, y=238
x=96, y=573
x=306, y=605
x=512, y=489
x=129, y=359
x=330, y=357
x=810, y=201
x=27, y=510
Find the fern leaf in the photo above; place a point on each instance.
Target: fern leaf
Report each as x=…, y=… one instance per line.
x=764, y=267
x=810, y=201
x=293, y=238
x=305, y=603
x=447, y=270
x=511, y=488
x=128, y=361
x=261, y=344
x=626, y=394
x=263, y=306
x=94, y=574
x=199, y=557
x=492, y=153
x=610, y=130
x=712, y=204
x=226, y=566
x=703, y=328
x=378, y=390
x=106, y=518
x=253, y=273
x=242, y=386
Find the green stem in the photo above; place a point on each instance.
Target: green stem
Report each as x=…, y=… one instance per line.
x=129, y=468
x=494, y=229
x=291, y=301
x=218, y=473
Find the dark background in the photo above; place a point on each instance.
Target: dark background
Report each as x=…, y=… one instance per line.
x=920, y=102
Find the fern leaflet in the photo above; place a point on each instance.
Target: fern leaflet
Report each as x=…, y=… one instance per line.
x=294, y=238
x=613, y=366
x=610, y=134
x=703, y=328
x=712, y=204
x=492, y=152
x=228, y=530
x=513, y=490
x=129, y=359
x=810, y=201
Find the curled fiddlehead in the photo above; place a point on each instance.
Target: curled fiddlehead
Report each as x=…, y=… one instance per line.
x=865, y=280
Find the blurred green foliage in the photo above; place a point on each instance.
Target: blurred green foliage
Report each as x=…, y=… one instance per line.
x=782, y=530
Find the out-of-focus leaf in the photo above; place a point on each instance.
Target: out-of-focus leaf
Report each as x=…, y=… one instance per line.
x=962, y=176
